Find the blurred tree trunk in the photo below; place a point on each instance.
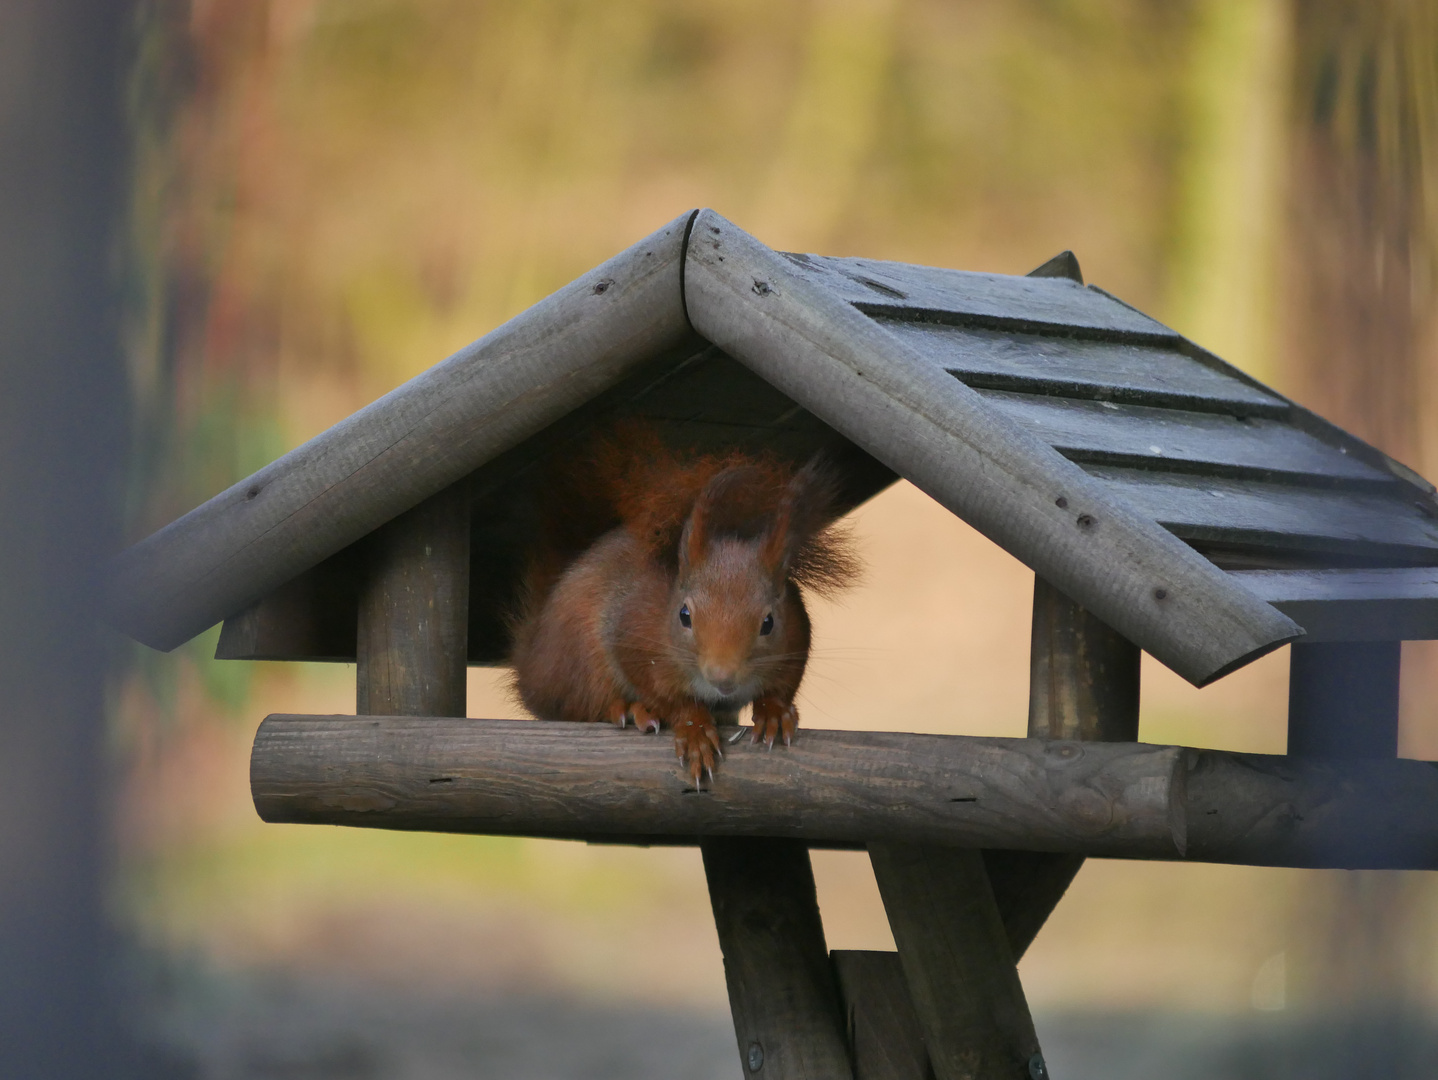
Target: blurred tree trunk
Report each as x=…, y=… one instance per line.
x=1360, y=314
x=62, y=438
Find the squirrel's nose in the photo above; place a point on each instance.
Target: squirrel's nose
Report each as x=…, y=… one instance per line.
x=722, y=679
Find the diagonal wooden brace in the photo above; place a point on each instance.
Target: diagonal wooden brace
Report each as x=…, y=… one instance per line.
x=957, y=963
x=782, y=992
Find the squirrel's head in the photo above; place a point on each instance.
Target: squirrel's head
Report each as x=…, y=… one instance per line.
x=738, y=615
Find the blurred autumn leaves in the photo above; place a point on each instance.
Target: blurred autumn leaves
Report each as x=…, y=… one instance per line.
x=333, y=196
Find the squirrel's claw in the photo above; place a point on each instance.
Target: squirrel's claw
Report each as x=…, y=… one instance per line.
x=644, y=720
x=696, y=743
x=773, y=718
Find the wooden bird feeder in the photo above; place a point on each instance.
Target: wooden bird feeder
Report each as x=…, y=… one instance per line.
x=1165, y=501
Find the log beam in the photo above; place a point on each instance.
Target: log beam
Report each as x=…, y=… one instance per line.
x=848, y=788
x=540, y=778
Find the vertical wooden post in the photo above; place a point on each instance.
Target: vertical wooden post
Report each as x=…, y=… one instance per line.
x=413, y=634
x=782, y=991
x=1083, y=684
x=1083, y=675
x=1343, y=699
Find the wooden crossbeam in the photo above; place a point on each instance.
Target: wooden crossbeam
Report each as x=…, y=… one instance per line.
x=848, y=788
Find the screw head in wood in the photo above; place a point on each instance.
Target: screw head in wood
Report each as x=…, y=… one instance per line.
x=755, y=1057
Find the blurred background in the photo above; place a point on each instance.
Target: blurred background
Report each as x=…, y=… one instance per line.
x=328, y=196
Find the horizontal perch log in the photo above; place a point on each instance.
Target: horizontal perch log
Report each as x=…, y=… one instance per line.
x=841, y=788
x=593, y=781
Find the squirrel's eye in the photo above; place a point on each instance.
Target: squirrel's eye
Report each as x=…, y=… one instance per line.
x=767, y=626
x=684, y=618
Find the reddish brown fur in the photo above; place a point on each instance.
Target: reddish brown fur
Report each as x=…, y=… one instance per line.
x=638, y=533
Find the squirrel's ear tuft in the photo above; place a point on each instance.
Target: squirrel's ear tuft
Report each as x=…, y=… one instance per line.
x=805, y=507
x=803, y=543
x=694, y=539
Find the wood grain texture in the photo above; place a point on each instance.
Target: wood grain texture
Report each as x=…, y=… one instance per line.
x=1084, y=685
x=957, y=961
x=1206, y=443
x=885, y=1039
x=787, y=1018
x=997, y=299
x=930, y=428
x=1266, y=810
x=1083, y=674
x=413, y=620
x=536, y=778
x=1343, y=699
x=1082, y=368
x=594, y=782
x=411, y=443
x=1391, y=604
x=1280, y=517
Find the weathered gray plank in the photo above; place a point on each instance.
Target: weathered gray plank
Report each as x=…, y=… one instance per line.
x=413, y=617
x=593, y=780
x=1391, y=604
x=1082, y=368
x=785, y=1003
x=938, y=433
x=957, y=962
x=1210, y=443
x=878, y=286
x=414, y=441
x=885, y=1039
x=1283, y=517
x=1343, y=699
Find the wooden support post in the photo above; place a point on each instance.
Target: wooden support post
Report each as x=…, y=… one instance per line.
x=1083, y=675
x=884, y=1033
x=1084, y=685
x=414, y=612
x=782, y=991
x=1343, y=699
x=957, y=963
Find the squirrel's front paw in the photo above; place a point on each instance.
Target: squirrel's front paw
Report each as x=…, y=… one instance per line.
x=696, y=744
x=773, y=717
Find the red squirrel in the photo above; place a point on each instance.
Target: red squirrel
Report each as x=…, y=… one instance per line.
x=686, y=605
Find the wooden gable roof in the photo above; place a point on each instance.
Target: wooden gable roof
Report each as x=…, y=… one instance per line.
x=1095, y=444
